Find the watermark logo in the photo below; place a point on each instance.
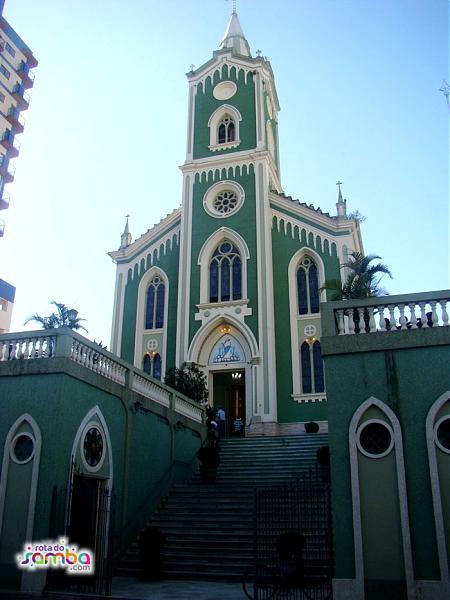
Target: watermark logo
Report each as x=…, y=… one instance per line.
x=56, y=555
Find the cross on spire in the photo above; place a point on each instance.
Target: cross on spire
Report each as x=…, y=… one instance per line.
x=339, y=183
x=234, y=6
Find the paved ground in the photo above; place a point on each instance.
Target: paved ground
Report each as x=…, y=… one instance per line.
x=131, y=589
x=124, y=587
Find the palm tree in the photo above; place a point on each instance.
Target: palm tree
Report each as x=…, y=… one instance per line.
x=65, y=317
x=363, y=279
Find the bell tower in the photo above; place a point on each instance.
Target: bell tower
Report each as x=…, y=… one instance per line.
x=232, y=163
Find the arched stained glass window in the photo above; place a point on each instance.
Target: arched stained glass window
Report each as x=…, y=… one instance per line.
x=157, y=366
x=319, y=382
x=225, y=273
x=154, y=316
x=147, y=364
x=305, y=356
x=307, y=287
x=226, y=130
x=311, y=362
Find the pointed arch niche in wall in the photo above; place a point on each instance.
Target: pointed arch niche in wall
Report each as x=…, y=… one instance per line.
x=155, y=339
x=380, y=508
x=21, y=457
x=438, y=443
x=304, y=327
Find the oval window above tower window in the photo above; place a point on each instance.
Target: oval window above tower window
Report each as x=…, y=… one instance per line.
x=223, y=199
x=224, y=90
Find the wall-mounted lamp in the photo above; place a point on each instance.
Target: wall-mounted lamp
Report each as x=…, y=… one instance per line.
x=310, y=340
x=225, y=329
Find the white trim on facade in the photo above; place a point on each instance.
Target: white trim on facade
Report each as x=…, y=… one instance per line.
x=140, y=319
x=202, y=345
x=213, y=124
x=295, y=317
x=436, y=492
x=402, y=496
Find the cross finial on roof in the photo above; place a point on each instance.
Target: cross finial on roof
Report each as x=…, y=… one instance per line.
x=258, y=53
x=234, y=6
x=192, y=67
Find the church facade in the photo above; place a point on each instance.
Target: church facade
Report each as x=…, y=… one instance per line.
x=231, y=281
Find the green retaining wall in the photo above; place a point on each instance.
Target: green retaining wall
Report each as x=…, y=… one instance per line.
x=409, y=381
x=149, y=452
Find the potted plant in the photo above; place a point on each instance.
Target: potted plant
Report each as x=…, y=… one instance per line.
x=311, y=427
x=209, y=460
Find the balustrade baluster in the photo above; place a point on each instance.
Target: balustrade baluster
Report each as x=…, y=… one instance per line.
x=361, y=323
x=351, y=322
x=434, y=317
x=340, y=321
x=444, y=312
x=412, y=318
x=381, y=315
x=402, y=320
x=423, y=314
x=372, y=324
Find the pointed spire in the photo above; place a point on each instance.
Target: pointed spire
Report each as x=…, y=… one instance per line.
x=341, y=204
x=234, y=36
x=125, y=239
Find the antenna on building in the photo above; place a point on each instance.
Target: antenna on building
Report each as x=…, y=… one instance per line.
x=445, y=89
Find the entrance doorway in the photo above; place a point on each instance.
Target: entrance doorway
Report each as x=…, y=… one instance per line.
x=229, y=394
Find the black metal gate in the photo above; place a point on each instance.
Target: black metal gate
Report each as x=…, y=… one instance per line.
x=84, y=515
x=292, y=540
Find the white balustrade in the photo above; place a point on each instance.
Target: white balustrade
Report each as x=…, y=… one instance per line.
x=26, y=348
x=150, y=390
x=391, y=316
x=188, y=409
x=96, y=361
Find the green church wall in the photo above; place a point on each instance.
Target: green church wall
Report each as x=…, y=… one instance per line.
x=243, y=222
x=283, y=249
x=205, y=104
x=397, y=379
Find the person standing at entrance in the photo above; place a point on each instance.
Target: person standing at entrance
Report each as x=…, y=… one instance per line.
x=221, y=417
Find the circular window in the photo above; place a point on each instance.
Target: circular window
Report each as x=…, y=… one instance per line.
x=223, y=199
x=92, y=447
x=442, y=434
x=22, y=448
x=375, y=439
x=224, y=90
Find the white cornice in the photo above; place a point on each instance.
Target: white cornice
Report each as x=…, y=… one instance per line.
x=136, y=247
x=304, y=212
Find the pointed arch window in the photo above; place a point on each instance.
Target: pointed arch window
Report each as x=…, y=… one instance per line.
x=311, y=364
x=227, y=130
x=152, y=365
x=307, y=287
x=225, y=273
x=154, y=315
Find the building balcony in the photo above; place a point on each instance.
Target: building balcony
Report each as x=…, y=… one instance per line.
x=21, y=96
x=10, y=144
x=7, y=171
x=32, y=61
x=4, y=200
x=15, y=118
x=26, y=75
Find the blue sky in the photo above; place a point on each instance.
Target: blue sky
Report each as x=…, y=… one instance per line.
x=358, y=83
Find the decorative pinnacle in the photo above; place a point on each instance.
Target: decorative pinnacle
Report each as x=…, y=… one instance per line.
x=258, y=53
x=445, y=88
